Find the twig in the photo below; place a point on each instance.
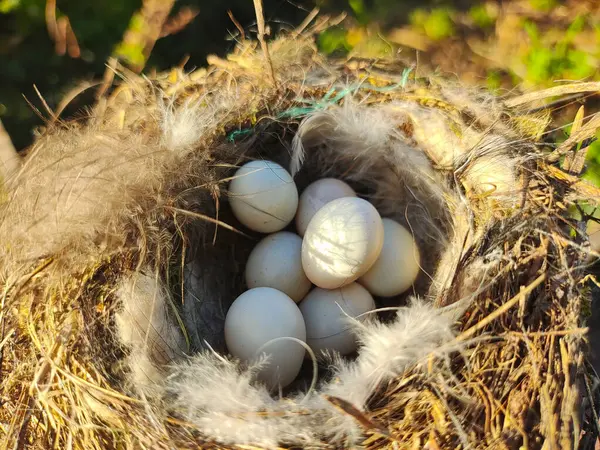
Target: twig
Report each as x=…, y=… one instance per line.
x=181, y=20
x=572, y=162
x=531, y=334
x=72, y=44
x=50, y=13
x=260, y=22
x=43, y=100
x=61, y=32
x=298, y=31
x=208, y=219
x=567, y=89
x=153, y=14
x=22, y=435
x=584, y=132
x=108, y=77
x=581, y=187
x=71, y=95
x=237, y=25
x=359, y=416
x=502, y=309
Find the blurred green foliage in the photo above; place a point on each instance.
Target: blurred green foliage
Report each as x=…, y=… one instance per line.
x=28, y=57
x=593, y=161
x=334, y=40
x=543, y=5
x=7, y=6
x=543, y=52
x=481, y=16
x=436, y=23
x=561, y=60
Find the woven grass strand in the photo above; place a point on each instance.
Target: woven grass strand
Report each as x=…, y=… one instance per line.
x=120, y=257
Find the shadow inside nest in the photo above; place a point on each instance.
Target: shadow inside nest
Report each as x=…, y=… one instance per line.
x=207, y=273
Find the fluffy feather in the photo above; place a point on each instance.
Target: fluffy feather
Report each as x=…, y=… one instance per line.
x=432, y=134
x=375, y=147
x=387, y=350
x=67, y=199
x=182, y=126
x=220, y=397
x=146, y=325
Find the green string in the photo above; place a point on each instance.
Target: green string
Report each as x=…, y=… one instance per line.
x=405, y=73
x=238, y=133
x=326, y=102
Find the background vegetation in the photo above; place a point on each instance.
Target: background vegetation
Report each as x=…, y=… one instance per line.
x=54, y=45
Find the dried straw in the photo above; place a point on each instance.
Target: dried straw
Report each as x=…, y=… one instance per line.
x=492, y=356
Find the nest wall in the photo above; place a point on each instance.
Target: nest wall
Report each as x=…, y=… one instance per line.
x=121, y=256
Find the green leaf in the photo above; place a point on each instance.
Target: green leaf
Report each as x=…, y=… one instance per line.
x=360, y=10
x=593, y=153
x=132, y=53
x=575, y=28
x=7, y=6
x=592, y=174
x=439, y=24
x=332, y=40
x=543, y=5
x=539, y=65
x=481, y=17
x=532, y=31
x=418, y=17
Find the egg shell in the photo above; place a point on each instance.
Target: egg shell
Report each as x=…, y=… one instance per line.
x=342, y=242
x=398, y=265
x=326, y=317
x=258, y=316
x=263, y=196
x=315, y=196
x=276, y=262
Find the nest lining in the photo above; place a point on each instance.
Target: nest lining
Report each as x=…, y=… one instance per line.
x=118, y=213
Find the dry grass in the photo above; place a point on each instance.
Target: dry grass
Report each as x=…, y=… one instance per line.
x=517, y=268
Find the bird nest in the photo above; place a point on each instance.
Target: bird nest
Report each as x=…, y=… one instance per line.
x=120, y=256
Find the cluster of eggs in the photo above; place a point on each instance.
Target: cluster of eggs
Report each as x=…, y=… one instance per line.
x=342, y=246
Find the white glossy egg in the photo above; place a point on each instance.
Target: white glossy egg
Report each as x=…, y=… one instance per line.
x=326, y=317
x=255, y=318
x=315, y=196
x=398, y=264
x=276, y=262
x=263, y=196
x=342, y=242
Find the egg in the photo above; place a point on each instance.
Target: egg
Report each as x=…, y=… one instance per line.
x=398, y=265
x=326, y=314
x=342, y=242
x=263, y=196
x=276, y=262
x=315, y=196
x=255, y=318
